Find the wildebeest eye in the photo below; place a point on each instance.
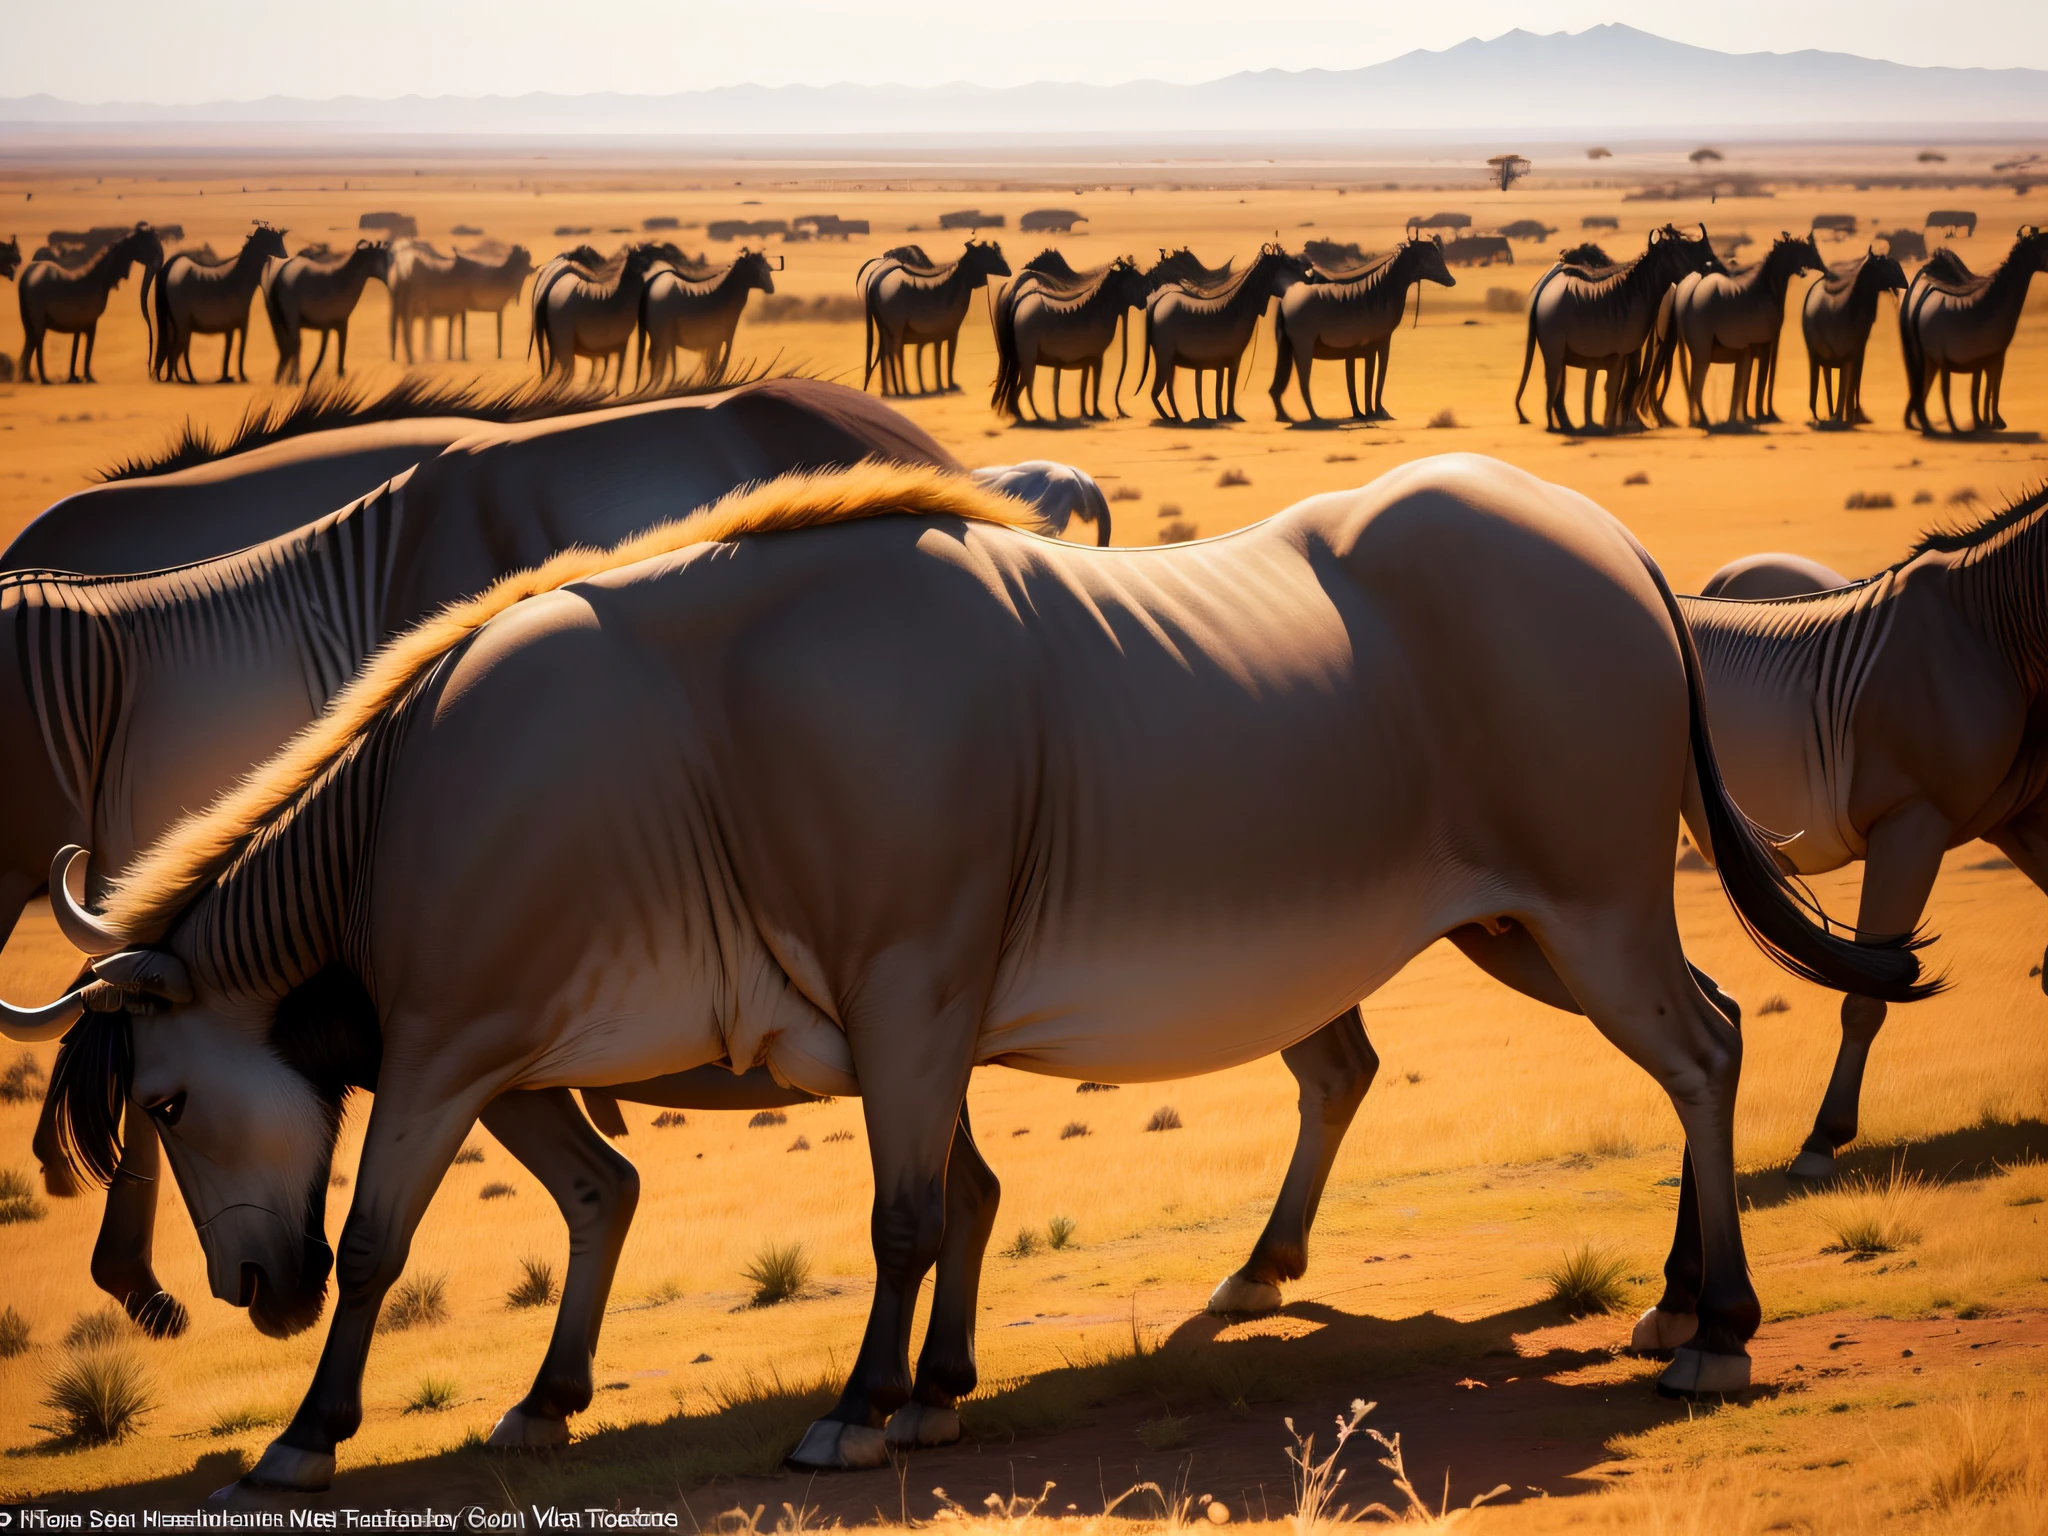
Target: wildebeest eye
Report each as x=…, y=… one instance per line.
x=166, y=1111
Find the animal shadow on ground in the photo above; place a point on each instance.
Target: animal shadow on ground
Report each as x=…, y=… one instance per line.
x=1524, y=1397
x=1064, y=424
x=1971, y=1152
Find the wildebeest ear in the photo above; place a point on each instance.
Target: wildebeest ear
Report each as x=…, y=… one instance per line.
x=154, y=971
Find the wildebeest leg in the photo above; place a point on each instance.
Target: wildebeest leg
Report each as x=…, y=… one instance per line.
x=92, y=333
x=1624, y=964
x=946, y=1370
x=1994, y=386
x=465, y=334
x=1900, y=864
x=1855, y=414
x=242, y=354
x=1947, y=406
x=1555, y=370
x=407, y=1150
x=340, y=349
x=501, y=333
x=122, y=1258
x=596, y=1190
x=912, y=1104
x=319, y=357
x=1813, y=384
x=1738, y=396
x=1335, y=1067
x=1351, y=387
x=72, y=376
x=227, y=357
x=1592, y=377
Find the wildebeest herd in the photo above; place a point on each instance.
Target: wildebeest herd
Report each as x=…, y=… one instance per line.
x=1677, y=310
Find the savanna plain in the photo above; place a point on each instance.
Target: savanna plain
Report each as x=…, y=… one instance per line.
x=1902, y=1368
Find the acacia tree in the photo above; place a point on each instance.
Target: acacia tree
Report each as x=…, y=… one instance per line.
x=1508, y=169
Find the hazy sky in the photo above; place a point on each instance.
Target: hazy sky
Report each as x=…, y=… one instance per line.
x=151, y=50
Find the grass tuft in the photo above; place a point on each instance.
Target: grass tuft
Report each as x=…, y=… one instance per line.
x=668, y=1119
x=236, y=1421
x=1126, y=493
x=471, y=1153
x=496, y=1191
x=1588, y=1281
x=1775, y=1003
x=99, y=1396
x=1868, y=1217
x=1179, y=531
x=14, y=1334
x=23, y=1080
x=1612, y=1143
x=1025, y=1245
x=1640, y=477
x=536, y=1287
x=1095, y=1088
x=1164, y=1118
x=1869, y=501
x=1072, y=1129
x=1059, y=1232
x=98, y=1329
x=434, y=1394
x=801, y=1144
x=421, y=1302
x=18, y=1200
x=779, y=1273
x=1231, y=477
x=841, y=1134
x=767, y=1117
x=1444, y=418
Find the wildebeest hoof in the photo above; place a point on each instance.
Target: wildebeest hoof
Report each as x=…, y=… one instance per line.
x=287, y=1468
x=1239, y=1297
x=1659, y=1332
x=1695, y=1373
x=1814, y=1167
x=922, y=1424
x=830, y=1446
x=519, y=1430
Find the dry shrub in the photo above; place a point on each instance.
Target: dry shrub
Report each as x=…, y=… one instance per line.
x=471, y=1153
x=1231, y=477
x=434, y=1394
x=1869, y=501
x=1164, y=1118
x=98, y=1329
x=420, y=1302
x=1612, y=1143
x=1444, y=418
x=14, y=1334
x=22, y=1082
x=1964, y=496
x=1126, y=493
x=1867, y=1216
x=1588, y=1281
x=18, y=1200
x=496, y=1191
x=1922, y=498
x=838, y=1135
x=1640, y=477
x=668, y=1119
x=1775, y=1003
x=1059, y=1232
x=767, y=1117
x=536, y=1287
x=801, y=1144
x=1024, y=1246
x=779, y=1273
x=1340, y=458
x=1072, y=1129
x=1178, y=532
x=99, y=1396
x=1096, y=1087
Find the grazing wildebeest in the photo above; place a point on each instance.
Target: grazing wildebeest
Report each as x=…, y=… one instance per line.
x=578, y=314
x=1040, y=324
x=1965, y=325
x=194, y=300
x=1479, y=251
x=1836, y=319
x=228, y=1001
x=320, y=293
x=1203, y=330
x=915, y=305
x=1719, y=318
x=1603, y=320
x=1352, y=319
x=220, y=661
x=700, y=313
x=478, y=285
x=68, y=301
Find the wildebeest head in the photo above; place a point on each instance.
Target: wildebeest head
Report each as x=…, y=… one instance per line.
x=982, y=260
x=10, y=256
x=754, y=271
x=1430, y=266
x=377, y=255
x=266, y=240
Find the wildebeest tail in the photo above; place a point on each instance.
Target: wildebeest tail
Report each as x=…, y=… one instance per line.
x=163, y=359
x=1009, y=387
x=1528, y=355
x=1280, y=356
x=1779, y=913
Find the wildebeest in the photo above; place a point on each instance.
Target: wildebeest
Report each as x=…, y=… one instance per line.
x=595, y=315
x=1530, y=807
x=1949, y=220
x=1599, y=221
x=1840, y=225
x=1835, y=320
x=700, y=314
x=57, y=298
x=909, y=304
x=1479, y=251
x=1051, y=221
x=1602, y=320
x=1187, y=328
x=1955, y=325
x=193, y=300
x=1353, y=319
x=320, y=293
x=1060, y=325
x=1736, y=319
x=1527, y=229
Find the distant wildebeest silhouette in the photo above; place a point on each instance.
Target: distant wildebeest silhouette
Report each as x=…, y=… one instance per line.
x=1527, y=229
x=697, y=313
x=57, y=298
x=1051, y=221
x=916, y=304
x=1601, y=318
x=1904, y=244
x=1599, y=221
x=582, y=314
x=1956, y=324
x=1478, y=251
x=195, y=300
x=1450, y=221
x=1949, y=220
x=1836, y=320
x=396, y=226
x=319, y=293
x=970, y=218
x=1737, y=319
x=1186, y=328
x=1352, y=320
x=1840, y=225
x=1042, y=322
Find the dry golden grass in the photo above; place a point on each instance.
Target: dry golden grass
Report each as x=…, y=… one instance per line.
x=1498, y=1136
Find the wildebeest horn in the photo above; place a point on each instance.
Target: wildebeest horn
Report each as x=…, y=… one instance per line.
x=155, y=971
x=31, y=1026
x=67, y=904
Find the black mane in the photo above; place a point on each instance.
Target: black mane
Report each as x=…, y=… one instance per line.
x=324, y=407
x=88, y=1092
x=1950, y=540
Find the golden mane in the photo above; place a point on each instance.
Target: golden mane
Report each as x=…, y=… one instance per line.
x=143, y=902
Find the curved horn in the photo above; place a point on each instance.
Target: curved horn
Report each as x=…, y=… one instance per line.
x=67, y=904
x=32, y=1026
x=155, y=971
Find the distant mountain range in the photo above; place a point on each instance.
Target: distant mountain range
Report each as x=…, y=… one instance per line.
x=1605, y=78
